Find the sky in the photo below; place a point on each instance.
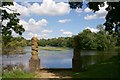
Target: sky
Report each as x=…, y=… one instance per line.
x=50, y=19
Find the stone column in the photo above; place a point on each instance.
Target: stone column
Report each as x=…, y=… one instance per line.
x=34, y=62
x=34, y=46
x=77, y=59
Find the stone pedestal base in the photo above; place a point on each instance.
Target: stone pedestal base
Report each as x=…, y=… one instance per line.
x=34, y=63
x=76, y=65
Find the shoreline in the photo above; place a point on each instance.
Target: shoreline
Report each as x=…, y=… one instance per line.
x=54, y=48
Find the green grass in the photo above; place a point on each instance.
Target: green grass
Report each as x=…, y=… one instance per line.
x=53, y=48
x=17, y=74
x=0, y=48
x=106, y=69
x=117, y=47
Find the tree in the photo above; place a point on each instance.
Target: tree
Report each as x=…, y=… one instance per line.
x=112, y=18
x=12, y=25
x=16, y=42
x=87, y=39
x=100, y=40
x=42, y=42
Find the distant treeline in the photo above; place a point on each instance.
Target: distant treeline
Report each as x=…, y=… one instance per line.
x=88, y=40
x=56, y=42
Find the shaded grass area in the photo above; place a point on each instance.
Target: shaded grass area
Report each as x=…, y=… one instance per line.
x=53, y=48
x=105, y=69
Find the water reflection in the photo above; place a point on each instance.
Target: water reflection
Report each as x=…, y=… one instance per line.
x=10, y=67
x=54, y=59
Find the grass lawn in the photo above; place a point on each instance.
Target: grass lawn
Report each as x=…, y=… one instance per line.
x=53, y=48
x=106, y=69
x=17, y=74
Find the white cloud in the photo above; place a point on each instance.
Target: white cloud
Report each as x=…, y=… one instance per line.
x=47, y=7
x=98, y=14
x=4, y=22
x=14, y=34
x=68, y=33
x=24, y=11
x=33, y=25
x=30, y=35
x=92, y=29
x=35, y=28
x=61, y=30
x=41, y=22
x=26, y=4
x=78, y=10
x=47, y=31
x=64, y=20
x=90, y=17
x=87, y=10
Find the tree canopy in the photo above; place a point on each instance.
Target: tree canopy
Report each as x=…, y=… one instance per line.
x=12, y=24
x=112, y=18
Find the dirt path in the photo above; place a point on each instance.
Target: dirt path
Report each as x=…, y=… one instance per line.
x=54, y=74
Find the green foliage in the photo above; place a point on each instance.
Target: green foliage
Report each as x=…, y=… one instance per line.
x=117, y=39
x=28, y=42
x=87, y=39
x=57, y=42
x=42, y=42
x=105, y=41
x=17, y=74
x=112, y=18
x=74, y=4
x=15, y=45
x=12, y=25
x=16, y=42
x=100, y=40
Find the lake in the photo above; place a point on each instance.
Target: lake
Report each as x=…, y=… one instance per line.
x=56, y=59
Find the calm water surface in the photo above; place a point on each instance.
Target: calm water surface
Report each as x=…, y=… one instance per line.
x=55, y=59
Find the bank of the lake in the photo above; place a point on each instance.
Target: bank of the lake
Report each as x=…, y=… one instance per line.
x=53, y=48
x=20, y=50
x=17, y=74
x=94, y=61
x=105, y=69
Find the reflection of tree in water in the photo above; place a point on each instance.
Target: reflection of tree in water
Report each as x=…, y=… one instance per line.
x=34, y=63
x=11, y=67
x=8, y=51
x=87, y=60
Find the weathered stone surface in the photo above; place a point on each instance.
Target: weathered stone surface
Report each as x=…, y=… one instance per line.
x=34, y=53
x=34, y=39
x=35, y=57
x=34, y=46
x=34, y=63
